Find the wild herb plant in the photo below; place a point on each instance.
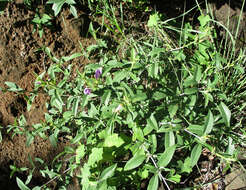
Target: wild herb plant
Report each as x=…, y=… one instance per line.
x=146, y=116
x=57, y=5
x=40, y=21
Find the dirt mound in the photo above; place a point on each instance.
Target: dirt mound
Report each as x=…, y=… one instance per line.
x=20, y=62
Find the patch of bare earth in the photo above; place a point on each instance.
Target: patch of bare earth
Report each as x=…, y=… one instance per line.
x=20, y=62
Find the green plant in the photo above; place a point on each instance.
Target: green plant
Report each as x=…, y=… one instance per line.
x=147, y=115
x=40, y=21
x=57, y=5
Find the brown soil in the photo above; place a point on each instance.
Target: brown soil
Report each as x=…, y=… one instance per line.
x=20, y=62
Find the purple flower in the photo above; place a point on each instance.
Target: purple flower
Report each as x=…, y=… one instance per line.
x=87, y=91
x=38, y=83
x=98, y=72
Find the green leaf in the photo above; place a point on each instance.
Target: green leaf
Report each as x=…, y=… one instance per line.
x=153, y=141
x=37, y=188
x=139, y=97
x=67, y=115
x=138, y=133
x=80, y=152
x=29, y=178
x=95, y=156
x=197, y=129
x=29, y=139
x=70, y=2
x=225, y=113
x=195, y=154
x=73, y=56
x=208, y=97
x=75, y=106
x=186, y=166
x=106, y=97
x=144, y=174
x=108, y=172
x=73, y=11
x=172, y=109
x=57, y=7
x=231, y=147
x=120, y=75
x=154, y=68
x=153, y=183
x=57, y=101
x=169, y=139
x=84, y=101
x=13, y=87
x=11, y=84
x=147, y=130
x=204, y=19
x=189, y=81
x=21, y=185
x=134, y=162
x=152, y=122
x=189, y=91
x=153, y=20
x=166, y=156
x=113, y=140
x=53, y=140
x=198, y=74
x=159, y=95
x=77, y=138
x=209, y=123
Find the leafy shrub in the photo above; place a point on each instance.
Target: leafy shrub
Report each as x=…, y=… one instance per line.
x=147, y=115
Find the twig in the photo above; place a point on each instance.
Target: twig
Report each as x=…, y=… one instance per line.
x=159, y=173
x=55, y=178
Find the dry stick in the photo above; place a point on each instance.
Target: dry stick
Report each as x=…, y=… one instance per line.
x=65, y=171
x=192, y=134
x=160, y=175
x=55, y=178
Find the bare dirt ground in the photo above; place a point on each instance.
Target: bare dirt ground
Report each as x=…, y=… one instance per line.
x=20, y=62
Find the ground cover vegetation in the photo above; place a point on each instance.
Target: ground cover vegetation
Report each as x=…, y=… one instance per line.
x=150, y=103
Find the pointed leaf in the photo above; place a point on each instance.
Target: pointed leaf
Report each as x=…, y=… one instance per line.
x=209, y=123
x=106, y=97
x=198, y=73
x=139, y=97
x=21, y=185
x=134, y=162
x=225, y=113
x=75, y=106
x=120, y=75
x=108, y=172
x=152, y=122
x=153, y=141
x=138, y=133
x=172, y=109
x=197, y=129
x=80, y=152
x=73, y=11
x=95, y=156
x=169, y=139
x=77, y=138
x=53, y=140
x=113, y=140
x=154, y=70
x=153, y=183
x=29, y=139
x=195, y=154
x=13, y=87
x=166, y=156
